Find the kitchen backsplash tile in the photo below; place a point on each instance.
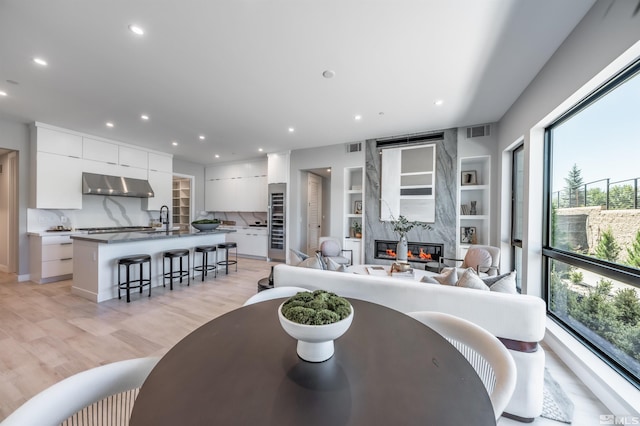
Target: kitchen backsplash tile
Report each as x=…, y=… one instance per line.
x=241, y=218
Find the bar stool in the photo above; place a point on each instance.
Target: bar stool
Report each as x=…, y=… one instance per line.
x=226, y=262
x=205, y=266
x=177, y=274
x=128, y=262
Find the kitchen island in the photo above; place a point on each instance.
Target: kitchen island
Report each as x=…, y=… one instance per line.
x=95, y=267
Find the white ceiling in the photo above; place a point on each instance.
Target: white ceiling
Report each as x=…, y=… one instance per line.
x=242, y=72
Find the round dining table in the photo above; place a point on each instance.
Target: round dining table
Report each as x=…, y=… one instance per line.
x=242, y=369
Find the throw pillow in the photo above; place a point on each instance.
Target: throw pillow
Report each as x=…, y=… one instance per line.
x=449, y=276
x=470, y=279
x=330, y=248
x=332, y=265
x=505, y=283
x=297, y=256
x=478, y=257
x=311, y=262
x=323, y=265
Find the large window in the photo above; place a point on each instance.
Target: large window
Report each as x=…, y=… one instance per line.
x=592, y=245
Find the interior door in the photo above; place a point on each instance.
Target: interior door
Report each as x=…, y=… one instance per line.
x=314, y=212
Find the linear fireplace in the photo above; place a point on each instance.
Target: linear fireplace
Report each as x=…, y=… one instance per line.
x=418, y=252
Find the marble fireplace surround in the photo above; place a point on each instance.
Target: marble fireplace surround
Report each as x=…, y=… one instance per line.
x=443, y=231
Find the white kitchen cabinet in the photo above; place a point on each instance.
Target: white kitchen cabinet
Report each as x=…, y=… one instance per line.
x=93, y=149
x=251, y=241
x=161, y=183
x=239, y=194
x=51, y=258
x=58, y=182
x=131, y=157
x=220, y=194
x=160, y=163
x=56, y=142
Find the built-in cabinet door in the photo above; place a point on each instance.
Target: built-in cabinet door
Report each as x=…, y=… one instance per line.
x=160, y=163
x=61, y=143
x=96, y=150
x=131, y=157
x=161, y=183
x=58, y=181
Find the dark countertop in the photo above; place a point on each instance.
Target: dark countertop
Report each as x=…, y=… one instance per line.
x=126, y=237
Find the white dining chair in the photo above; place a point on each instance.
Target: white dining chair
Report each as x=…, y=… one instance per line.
x=488, y=356
x=100, y=396
x=274, y=293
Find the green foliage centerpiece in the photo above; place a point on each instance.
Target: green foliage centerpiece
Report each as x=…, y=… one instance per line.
x=315, y=320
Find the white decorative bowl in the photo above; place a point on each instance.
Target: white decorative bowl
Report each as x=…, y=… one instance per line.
x=315, y=342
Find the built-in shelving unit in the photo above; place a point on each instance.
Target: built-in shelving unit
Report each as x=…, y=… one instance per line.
x=353, y=211
x=181, y=202
x=474, y=202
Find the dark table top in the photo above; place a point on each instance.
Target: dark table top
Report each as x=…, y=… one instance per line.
x=242, y=369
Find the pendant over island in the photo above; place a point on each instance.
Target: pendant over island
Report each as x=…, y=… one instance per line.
x=95, y=256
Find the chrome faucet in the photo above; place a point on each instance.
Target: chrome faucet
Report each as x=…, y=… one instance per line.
x=166, y=217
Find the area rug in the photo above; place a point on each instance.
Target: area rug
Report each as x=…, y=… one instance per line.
x=556, y=404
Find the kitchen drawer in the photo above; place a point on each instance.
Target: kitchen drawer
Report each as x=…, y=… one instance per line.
x=57, y=251
x=56, y=239
x=54, y=268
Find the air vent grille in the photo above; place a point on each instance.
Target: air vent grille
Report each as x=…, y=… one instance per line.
x=354, y=147
x=478, y=131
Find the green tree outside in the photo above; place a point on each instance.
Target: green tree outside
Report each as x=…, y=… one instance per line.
x=607, y=248
x=633, y=252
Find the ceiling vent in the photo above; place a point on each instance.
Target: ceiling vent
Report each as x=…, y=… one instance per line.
x=354, y=147
x=478, y=131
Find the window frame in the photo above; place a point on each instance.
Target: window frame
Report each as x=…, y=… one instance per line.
x=602, y=267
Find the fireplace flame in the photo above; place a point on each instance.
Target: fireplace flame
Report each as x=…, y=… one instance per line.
x=423, y=255
x=391, y=253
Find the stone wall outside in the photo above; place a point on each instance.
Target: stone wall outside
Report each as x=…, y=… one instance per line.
x=623, y=223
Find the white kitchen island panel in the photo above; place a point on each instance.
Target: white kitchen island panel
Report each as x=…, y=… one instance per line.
x=95, y=266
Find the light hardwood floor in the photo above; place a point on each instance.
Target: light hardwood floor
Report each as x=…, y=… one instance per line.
x=47, y=334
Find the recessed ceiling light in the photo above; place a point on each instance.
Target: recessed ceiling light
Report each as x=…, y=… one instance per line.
x=174, y=143
x=144, y=117
x=291, y=129
x=201, y=137
x=109, y=124
x=40, y=61
x=357, y=117
x=136, y=29
x=2, y=93
x=329, y=170
x=259, y=149
x=328, y=74
x=439, y=102
x=217, y=156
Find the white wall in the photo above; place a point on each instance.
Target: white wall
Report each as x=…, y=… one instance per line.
x=334, y=157
x=604, y=36
x=15, y=136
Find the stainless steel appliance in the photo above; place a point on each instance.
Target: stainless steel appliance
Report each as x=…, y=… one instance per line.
x=277, y=222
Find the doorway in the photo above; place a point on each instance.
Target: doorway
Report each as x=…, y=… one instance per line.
x=8, y=211
x=314, y=211
x=182, y=201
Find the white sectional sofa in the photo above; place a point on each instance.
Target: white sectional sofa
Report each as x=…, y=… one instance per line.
x=517, y=320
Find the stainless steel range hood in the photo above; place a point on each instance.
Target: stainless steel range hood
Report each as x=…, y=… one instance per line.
x=95, y=184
